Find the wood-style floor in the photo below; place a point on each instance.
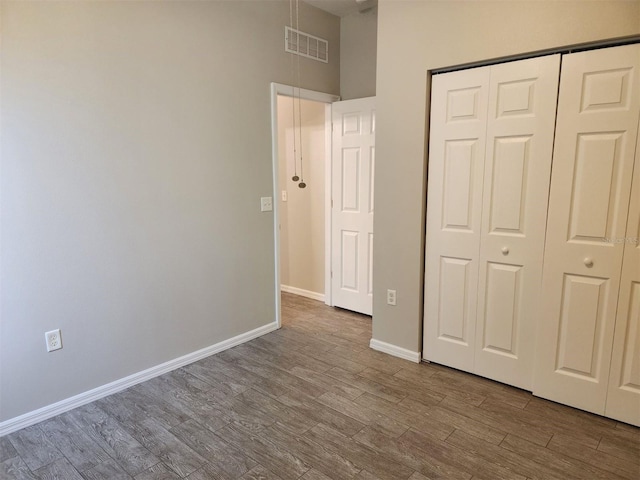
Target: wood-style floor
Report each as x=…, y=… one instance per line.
x=312, y=401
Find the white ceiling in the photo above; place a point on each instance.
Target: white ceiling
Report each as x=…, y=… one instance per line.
x=340, y=8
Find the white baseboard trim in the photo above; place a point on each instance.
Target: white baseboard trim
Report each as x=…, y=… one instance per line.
x=302, y=292
x=395, y=351
x=44, y=413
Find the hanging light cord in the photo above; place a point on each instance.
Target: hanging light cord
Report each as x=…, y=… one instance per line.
x=301, y=184
x=295, y=177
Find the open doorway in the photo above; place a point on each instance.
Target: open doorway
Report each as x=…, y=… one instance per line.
x=302, y=221
x=302, y=155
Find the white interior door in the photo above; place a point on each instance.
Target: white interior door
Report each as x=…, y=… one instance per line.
x=454, y=207
x=596, y=132
x=623, y=397
x=520, y=127
x=353, y=159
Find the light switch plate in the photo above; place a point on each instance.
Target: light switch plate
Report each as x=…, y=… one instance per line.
x=266, y=204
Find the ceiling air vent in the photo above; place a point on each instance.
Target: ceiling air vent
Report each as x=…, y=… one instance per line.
x=306, y=45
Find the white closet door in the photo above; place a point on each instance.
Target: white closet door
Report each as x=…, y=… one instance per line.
x=520, y=127
x=623, y=398
x=590, y=192
x=454, y=206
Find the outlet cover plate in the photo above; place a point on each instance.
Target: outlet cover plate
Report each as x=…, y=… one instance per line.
x=391, y=297
x=54, y=340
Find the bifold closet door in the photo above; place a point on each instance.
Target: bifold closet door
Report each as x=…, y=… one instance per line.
x=489, y=166
x=522, y=110
x=454, y=206
x=623, y=397
x=595, y=143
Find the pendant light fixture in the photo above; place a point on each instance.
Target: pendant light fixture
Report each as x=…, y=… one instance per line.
x=296, y=178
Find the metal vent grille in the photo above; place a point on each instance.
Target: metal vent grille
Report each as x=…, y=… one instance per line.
x=306, y=45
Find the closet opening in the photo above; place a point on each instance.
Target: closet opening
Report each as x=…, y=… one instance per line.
x=530, y=276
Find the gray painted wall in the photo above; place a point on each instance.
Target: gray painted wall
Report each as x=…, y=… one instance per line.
x=414, y=37
x=136, y=144
x=358, y=40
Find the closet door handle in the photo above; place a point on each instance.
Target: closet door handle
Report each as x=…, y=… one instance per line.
x=505, y=250
x=588, y=262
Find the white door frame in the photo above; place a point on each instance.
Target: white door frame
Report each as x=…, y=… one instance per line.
x=327, y=99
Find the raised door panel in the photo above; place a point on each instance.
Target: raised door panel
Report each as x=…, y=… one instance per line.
x=508, y=184
x=503, y=310
x=623, y=398
x=349, y=200
x=596, y=184
x=349, y=265
x=454, y=285
x=520, y=128
x=353, y=153
x=460, y=159
x=454, y=207
x=596, y=133
x=580, y=339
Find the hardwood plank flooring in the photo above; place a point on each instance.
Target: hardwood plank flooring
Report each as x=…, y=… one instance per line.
x=312, y=401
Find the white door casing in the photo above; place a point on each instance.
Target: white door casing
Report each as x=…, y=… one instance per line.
x=519, y=147
x=353, y=167
x=328, y=99
x=595, y=140
x=454, y=206
x=623, y=397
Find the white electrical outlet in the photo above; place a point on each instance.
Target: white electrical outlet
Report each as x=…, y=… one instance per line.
x=391, y=297
x=54, y=340
x=266, y=204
